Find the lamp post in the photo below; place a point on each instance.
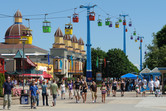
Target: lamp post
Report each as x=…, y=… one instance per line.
x=23, y=40
x=107, y=68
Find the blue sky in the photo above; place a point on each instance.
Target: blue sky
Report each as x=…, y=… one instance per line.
x=147, y=17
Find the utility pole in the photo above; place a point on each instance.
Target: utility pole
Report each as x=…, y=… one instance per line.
x=140, y=38
x=88, y=65
x=124, y=32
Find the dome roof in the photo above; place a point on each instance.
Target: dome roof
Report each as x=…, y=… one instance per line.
x=58, y=33
x=18, y=14
x=67, y=37
x=80, y=41
x=74, y=39
x=15, y=30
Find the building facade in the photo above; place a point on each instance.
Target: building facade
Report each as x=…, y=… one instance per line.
x=68, y=55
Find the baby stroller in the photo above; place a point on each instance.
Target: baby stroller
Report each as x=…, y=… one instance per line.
x=158, y=93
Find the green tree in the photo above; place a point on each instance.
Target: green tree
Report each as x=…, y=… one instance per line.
x=161, y=37
x=156, y=56
x=151, y=58
x=2, y=80
x=119, y=63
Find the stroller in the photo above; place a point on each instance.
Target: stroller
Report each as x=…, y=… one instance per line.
x=158, y=93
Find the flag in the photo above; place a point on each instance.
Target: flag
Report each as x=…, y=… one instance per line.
x=97, y=62
x=48, y=59
x=70, y=65
x=104, y=62
x=61, y=64
x=71, y=61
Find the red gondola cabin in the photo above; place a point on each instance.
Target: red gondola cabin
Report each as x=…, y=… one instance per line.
x=75, y=18
x=92, y=16
x=124, y=22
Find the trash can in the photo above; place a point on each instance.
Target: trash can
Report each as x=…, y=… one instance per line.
x=24, y=99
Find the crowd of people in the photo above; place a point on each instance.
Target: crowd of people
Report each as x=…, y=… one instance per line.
x=78, y=89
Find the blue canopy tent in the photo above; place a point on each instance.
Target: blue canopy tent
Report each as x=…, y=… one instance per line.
x=129, y=76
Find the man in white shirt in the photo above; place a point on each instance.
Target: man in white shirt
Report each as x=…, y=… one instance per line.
x=157, y=84
x=151, y=85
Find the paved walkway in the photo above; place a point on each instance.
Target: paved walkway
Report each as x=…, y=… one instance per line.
x=127, y=103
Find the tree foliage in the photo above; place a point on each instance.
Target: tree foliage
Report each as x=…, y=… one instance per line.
x=117, y=63
x=156, y=56
x=2, y=79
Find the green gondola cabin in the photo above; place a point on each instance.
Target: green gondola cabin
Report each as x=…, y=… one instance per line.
x=99, y=22
x=46, y=26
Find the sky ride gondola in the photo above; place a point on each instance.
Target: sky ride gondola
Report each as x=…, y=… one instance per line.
x=46, y=25
x=124, y=22
x=92, y=16
x=107, y=21
x=75, y=17
x=99, y=21
x=117, y=25
x=130, y=23
x=110, y=24
x=69, y=28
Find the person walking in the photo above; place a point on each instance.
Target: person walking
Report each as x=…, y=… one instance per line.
x=37, y=94
x=7, y=90
x=93, y=89
x=62, y=88
x=122, y=87
x=33, y=94
x=144, y=86
x=156, y=84
x=77, y=90
x=54, y=91
x=44, y=93
x=151, y=85
x=114, y=87
x=103, y=91
x=108, y=84
x=70, y=87
x=84, y=91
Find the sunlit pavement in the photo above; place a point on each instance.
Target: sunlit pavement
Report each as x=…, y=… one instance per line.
x=127, y=103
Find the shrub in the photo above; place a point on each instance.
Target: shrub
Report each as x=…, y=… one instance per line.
x=2, y=79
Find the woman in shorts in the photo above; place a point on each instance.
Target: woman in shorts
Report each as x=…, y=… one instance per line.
x=103, y=91
x=114, y=87
x=122, y=87
x=84, y=91
x=62, y=87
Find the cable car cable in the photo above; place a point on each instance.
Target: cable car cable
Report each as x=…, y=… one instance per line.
x=50, y=12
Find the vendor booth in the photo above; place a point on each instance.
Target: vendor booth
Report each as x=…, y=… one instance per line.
x=129, y=76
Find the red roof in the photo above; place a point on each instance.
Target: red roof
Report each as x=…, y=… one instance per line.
x=45, y=75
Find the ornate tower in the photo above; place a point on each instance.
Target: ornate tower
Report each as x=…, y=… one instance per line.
x=67, y=41
x=59, y=43
x=17, y=31
x=75, y=44
x=81, y=46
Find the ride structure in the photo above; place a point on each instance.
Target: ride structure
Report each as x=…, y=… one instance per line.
x=46, y=25
x=69, y=28
x=124, y=32
x=90, y=17
x=75, y=16
x=139, y=38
